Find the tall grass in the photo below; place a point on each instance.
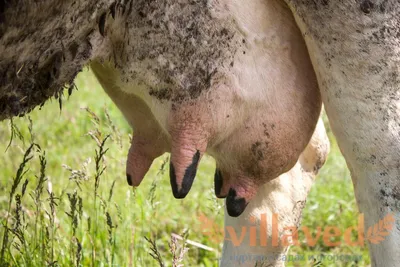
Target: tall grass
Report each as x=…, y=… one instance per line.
x=64, y=200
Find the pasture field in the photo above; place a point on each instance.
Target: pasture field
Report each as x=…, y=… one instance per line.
x=64, y=199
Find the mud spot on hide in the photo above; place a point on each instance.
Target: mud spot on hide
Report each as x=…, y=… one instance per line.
x=383, y=193
x=235, y=206
x=266, y=133
x=162, y=94
x=181, y=44
x=396, y=192
x=37, y=63
x=390, y=196
x=258, y=150
x=366, y=6
x=188, y=178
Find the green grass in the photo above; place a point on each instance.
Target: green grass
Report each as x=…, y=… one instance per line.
x=64, y=216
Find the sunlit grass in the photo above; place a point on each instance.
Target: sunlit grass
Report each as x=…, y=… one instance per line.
x=64, y=220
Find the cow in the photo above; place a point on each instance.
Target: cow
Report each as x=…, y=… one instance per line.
x=167, y=63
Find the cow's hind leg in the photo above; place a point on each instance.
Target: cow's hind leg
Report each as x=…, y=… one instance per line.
x=355, y=52
x=367, y=127
x=251, y=239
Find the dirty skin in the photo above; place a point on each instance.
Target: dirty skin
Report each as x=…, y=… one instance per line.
x=202, y=77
